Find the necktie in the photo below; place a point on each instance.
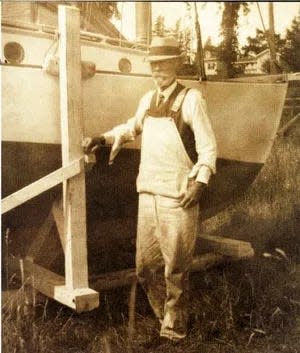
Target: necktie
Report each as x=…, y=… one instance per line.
x=160, y=100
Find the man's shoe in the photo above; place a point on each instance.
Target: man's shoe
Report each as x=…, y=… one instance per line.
x=156, y=341
x=167, y=341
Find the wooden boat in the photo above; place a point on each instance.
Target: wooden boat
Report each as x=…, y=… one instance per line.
x=245, y=117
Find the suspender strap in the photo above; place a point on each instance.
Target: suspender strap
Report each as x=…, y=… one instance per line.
x=179, y=100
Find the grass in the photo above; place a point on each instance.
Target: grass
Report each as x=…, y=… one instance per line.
x=251, y=306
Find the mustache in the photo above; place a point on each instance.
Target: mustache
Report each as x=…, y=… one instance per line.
x=160, y=76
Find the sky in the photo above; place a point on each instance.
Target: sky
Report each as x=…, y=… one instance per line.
x=210, y=17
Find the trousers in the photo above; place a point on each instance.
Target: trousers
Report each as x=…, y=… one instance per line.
x=166, y=236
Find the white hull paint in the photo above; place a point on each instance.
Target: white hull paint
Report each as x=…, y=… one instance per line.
x=245, y=116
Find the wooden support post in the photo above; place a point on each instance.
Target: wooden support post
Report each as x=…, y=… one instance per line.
x=74, y=208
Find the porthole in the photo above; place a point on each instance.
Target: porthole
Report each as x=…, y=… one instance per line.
x=13, y=52
x=125, y=66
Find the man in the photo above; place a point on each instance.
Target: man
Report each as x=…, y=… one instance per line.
x=178, y=155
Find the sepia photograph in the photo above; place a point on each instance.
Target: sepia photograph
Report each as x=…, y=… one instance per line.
x=150, y=177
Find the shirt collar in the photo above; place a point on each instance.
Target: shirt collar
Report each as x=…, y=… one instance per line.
x=168, y=91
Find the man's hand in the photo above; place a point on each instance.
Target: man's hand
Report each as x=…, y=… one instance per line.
x=90, y=144
x=193, y=193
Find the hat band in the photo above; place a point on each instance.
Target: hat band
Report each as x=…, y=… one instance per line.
x=165, y=50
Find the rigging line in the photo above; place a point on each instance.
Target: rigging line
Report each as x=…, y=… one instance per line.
x=200, y=56
x=121, y=27
x=54, y=44
x=268, y=37
x=149, y=25
x=261, y=18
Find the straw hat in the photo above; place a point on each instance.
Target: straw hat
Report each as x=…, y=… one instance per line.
x=164, y=48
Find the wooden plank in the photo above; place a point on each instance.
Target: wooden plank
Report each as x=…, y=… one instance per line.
x=112, y=280
x=76, y=270
x=116, y=279
x=53, y=286
x=225, y=246
x=57, y=212
x=49, y=181
x=42, y=235
x=285, y=128
x=79, y=299
x=205, y=261
x=84, y=299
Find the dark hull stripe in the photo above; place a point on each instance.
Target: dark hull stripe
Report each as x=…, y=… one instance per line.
x=110, y=189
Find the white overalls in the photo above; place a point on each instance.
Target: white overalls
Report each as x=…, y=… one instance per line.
x=166, y=232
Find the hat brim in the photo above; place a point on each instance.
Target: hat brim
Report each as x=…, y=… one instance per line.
x=152, y=58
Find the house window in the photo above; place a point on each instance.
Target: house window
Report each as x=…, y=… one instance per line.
x=211, y=66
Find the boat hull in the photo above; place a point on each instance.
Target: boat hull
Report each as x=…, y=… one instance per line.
x=244, y=116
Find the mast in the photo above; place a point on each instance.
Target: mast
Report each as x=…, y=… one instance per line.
x=273, y=68
x=200, y=54
x=143, y=15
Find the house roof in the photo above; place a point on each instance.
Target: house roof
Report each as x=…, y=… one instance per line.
x=94, y=21
x=262, y=53
x=246, y=60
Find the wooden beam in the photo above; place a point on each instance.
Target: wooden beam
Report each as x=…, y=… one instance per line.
x=53, y=286
x=205, y=261
x=84, y=299
x=285, y=128
x=112, y=280
x=57, y=212
x=49, y=181
x=225, y=246
x=116, y=279
x=41, y=237
x=74, y=208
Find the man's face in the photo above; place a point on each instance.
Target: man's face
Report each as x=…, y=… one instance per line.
x=164, y=72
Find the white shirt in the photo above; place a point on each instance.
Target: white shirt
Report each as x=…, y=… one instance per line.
x=194, y=113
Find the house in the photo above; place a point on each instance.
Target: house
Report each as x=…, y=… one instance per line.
x=262, y=58
x=247, y=64
x=211, y=63
x=45, y=13
x=250, y=65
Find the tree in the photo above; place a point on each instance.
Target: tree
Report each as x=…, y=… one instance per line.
x=229, y=50
x=259, y=43
x=159, y=26
x=184, y=38
x=290, y=53
x=208, y=46
x=266, y=66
